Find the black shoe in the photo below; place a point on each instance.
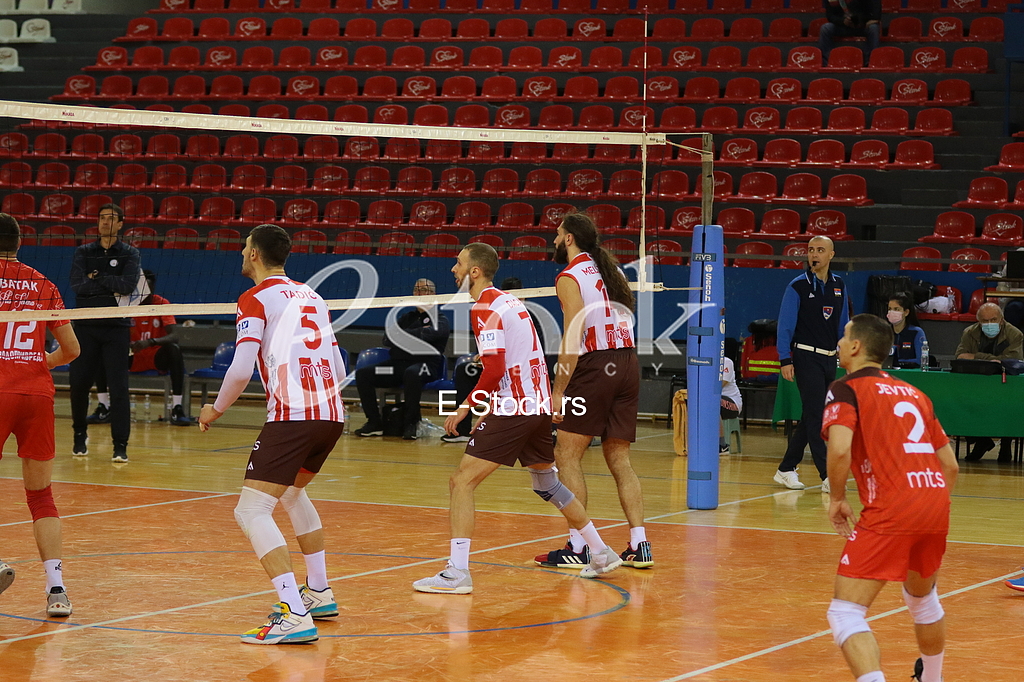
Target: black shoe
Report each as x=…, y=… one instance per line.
x=370, y=429
x=101, y=415
x=81, y=447
x=564, y=558
x=457, y=438
x=178, y=417
x=120, y=453
x=918, y=671
x=410, y=432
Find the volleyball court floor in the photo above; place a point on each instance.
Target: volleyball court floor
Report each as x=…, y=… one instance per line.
x=163, y=581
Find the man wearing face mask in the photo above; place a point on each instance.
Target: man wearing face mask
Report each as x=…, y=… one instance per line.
x=995, y=339
x=814, y=312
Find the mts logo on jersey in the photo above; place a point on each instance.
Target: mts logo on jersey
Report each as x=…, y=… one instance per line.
x=926, y=479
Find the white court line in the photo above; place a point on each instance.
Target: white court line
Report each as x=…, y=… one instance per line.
x=816, y=635
x=137, y=506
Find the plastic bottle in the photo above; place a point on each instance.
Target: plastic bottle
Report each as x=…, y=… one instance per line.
x=147, y=410
x=924, y=355
x=952, y=303
x=131, y=408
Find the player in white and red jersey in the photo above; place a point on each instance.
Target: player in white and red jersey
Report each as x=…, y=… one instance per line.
x=514, y=393
x=286, y=327
x=886, y=431
x=27, y=391
x=597, y=382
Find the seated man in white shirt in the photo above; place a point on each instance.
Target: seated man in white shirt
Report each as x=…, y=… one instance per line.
x=732, y=401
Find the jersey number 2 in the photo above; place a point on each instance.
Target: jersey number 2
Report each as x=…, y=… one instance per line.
x=913, y=444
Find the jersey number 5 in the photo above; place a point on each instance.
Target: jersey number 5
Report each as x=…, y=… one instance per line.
x=914, y=444
x=307, y=322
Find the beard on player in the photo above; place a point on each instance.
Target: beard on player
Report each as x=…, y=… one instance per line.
x=561, y=254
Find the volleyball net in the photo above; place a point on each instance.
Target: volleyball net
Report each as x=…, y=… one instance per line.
x=370, y=207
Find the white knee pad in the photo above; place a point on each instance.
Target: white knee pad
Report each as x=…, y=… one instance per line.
x=924, y=610
x=846, y=620
x=254, y=513
x=550, y=489
x=300, y=510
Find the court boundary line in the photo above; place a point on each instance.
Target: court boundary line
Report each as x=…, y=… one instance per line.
x=818, y=635
x=137, y=506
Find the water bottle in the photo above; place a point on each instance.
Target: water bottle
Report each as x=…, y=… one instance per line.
x=924, y=356
x=131, y=408
x=147, y=410
x=952, y=303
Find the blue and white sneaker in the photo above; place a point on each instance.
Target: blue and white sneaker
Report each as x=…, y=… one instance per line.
x=319, y=603
x=1017, y=584
x=449, y=581
x=283, y=627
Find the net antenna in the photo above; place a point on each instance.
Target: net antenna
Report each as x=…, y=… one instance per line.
x=85, y=117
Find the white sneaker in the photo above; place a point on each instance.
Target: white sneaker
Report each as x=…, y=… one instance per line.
x=789, y=479
x=57, y=603
x=283, y=627
x=601, y=562
x=319, y=604
x=6, y=576
x=826, y=488
x=449, y=581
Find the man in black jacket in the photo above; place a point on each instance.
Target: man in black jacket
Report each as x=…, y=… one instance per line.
x=408, y=367
x=848, y=18
x=104, y=274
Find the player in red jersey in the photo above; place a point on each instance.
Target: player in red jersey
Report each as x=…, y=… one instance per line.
x=515, y=388
x=27, y=390
x=885, y=430
x=286, y=326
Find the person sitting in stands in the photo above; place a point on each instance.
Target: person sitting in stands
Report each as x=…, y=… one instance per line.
x=908, y=337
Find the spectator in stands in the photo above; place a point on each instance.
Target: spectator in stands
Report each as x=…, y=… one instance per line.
x=995, y=339
x=848, y=18
x=731, y=402
x=104, y=274
x=410, y=366
x=468, y=373
x=154, y=346
x=908, y=337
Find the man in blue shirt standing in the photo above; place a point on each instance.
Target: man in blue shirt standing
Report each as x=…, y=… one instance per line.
x=815, y=309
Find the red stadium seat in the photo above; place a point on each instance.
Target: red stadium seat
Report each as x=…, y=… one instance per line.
x=427, y=215
x=605, y=58
x=250, y=178
x=723, y=58
x=57, y=235
x=789, y=89
x=970, y=257
x=664, y=250
x=353, y=242
x=952, y=227
x=679, y=118
x=624, y=250
x=847, y=189
x=441, y=246
x=472, y=215
x=827, y=223
x=868, y=91
x=801, y=188
x=988, y=192
x=129, y=176
x=443, y=151
x=797, y=254
x=492, y=240
x=785, y=29
x=952, y=91
x=779, y=223
x=289, y=179
x=176, y=210
x=541, y=182
x=761, y=120
x=739, y=151
x=972, y=59
x=754, y=249
x=589, y=29
x=625, y=184
x=361, y=149
x=419, y=87
x=170, y=177
x=294, y=58
x=588, y=183
x=718, y=120
x=551, y=216
x=684, y=58
x=330, y=180
x=53, y=175
x=516, y=217
x=396, y=244
x=868, y=154
x=828, y=153
x=764, y=58
x=216, y=211
x=670, y=185
x=685, y=218
x=400, y=149
x=933, y=122
x=905, y=28
x=371, y=180
x=529, y=58
x=142, y=237
x=914, y=154
x=528, y=248
x=927, y=59
x=1011, y=158
x=706, y=29
x=946, y=28
x=845, y=58
x=890, y=121
x=431, y=115
x=607, y=217
x=804, y=59
x=780, y=151
x=138, y=207
x=701, y=89
x=1003, y=229
x=89, y=176
x=742, y=90
x=221, y=57
x=391, y=114
x=460, y=181
x=458, y=88
x=182, y=238
x=909, y=91
x=757, y=186
x=383, y=213
x=846, y=120
x=309, y=241
x=341, y=213
x=13, y=145
x=736, y=222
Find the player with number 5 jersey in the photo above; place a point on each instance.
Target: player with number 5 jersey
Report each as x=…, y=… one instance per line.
x=885, y=430
x=285, y=326
x=26, y=392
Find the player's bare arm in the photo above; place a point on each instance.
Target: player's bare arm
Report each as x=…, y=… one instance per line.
x=950, y=467
x=840, y=438
x=573, y=326
x=67, y=347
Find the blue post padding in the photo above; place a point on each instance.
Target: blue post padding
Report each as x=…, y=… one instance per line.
x=704, y=344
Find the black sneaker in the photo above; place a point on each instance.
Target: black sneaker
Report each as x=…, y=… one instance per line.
x=178, y=417
x=101, y=415
x=81, y=447
x=410, y=432
x=120, y=452
x=639, y=557
x=370, y=429
x=564, y=558
x=723, y=449
x=457, y=438
x=918, y=671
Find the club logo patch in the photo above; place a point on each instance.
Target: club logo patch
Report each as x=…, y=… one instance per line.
x=827, y=311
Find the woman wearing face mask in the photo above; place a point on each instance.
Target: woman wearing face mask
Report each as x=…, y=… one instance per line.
x=906, y=348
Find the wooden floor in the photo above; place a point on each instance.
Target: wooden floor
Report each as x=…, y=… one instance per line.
x=162, y=580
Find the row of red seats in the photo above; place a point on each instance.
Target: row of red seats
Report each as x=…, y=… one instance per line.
x=567, y=6
x=987, y=192
x=959, y=227
x=741, y=89
x=530, y=58
x=968, y=258
x=786, y=152
x=549, y=29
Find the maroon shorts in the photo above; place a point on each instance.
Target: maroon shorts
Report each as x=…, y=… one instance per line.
x=503, y=440
x=284, y=448
x=606, y=386
x=870, y=556
x=30, y=419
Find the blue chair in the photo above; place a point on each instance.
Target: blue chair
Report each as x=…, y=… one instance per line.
x=222, y=358
x=371, y=357
x=444, y=383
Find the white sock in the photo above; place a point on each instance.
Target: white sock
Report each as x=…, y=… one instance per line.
x=932, y=667
x=175, y=400
x=876, y=676
x=636, y=536
x=316, y=571
x=288, y=592
x=104, y=398
x=592, y=537
x=576, y=540
x=460, y=553
x=55, y=574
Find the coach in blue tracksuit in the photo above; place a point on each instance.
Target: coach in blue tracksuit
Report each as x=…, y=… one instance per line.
x=815, y=310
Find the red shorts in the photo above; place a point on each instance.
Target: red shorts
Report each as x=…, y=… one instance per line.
x=145, y=360
x=30, y=419
x=870, y=556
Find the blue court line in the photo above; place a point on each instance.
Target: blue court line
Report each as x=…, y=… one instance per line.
x=624, y=599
